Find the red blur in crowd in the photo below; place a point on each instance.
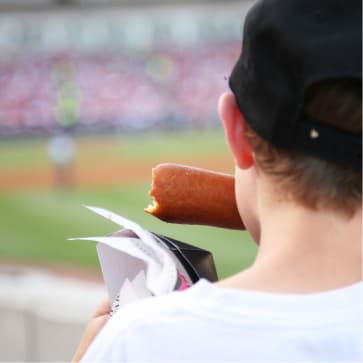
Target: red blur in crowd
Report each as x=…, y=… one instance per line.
x=164, y=86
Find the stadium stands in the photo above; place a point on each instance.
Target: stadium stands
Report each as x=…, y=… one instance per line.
x=163, y=87
x=121, y=68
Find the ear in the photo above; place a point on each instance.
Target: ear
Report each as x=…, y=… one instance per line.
x=234, y=127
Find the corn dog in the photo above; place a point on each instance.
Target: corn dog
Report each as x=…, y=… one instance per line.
x=189, y=195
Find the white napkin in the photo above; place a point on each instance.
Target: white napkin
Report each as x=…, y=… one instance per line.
x=133, y=268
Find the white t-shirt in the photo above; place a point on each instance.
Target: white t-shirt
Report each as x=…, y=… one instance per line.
x=211, y=324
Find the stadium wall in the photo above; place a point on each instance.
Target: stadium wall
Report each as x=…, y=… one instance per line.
x=43, y=315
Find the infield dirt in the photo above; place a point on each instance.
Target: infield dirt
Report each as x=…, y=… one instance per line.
x=117, y=173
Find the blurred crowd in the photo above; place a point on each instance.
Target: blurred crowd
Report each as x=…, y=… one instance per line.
x=165, y=87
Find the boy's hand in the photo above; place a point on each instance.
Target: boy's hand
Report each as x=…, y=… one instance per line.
x=98, y=320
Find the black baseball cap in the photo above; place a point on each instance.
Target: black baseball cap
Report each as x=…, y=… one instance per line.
x=288, y=46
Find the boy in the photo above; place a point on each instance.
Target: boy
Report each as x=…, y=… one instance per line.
x=293, y=124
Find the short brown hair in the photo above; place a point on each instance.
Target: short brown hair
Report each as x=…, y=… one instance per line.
x=312, y=182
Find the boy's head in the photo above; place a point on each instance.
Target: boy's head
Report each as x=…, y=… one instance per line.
x=297, y=94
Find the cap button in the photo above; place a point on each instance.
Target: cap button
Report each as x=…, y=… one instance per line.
x=314, y=134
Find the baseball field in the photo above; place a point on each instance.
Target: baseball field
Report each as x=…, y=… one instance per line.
x=113, y=172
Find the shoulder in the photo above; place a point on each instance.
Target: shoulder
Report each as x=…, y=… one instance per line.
x=140, y=319
x=143, y=313
x=172, y=304
x=239, y=318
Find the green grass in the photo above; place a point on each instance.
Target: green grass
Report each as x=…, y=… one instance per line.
x=32, y=153
x=35, y=224
x=23, y=154
x=187, y=144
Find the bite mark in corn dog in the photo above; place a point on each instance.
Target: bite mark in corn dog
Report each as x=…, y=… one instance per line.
x=189, y=195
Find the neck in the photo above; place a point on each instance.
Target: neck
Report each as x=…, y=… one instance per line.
x=302, y=251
